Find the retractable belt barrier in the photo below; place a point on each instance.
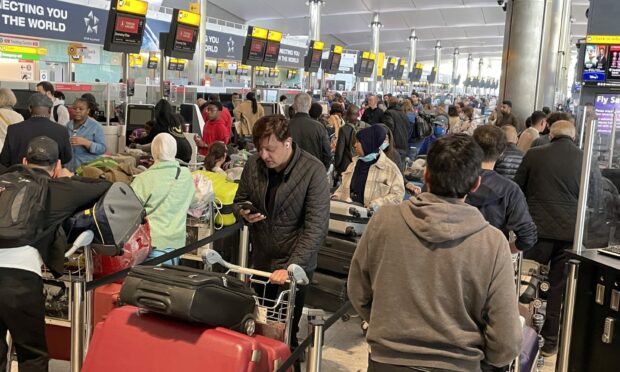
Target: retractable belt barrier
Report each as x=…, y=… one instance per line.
x=304, y=345
x=219, y=234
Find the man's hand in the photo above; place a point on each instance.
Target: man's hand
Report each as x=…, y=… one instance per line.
x=79, y=141
x=279, y=277
x=413, y=189
x=251, y=217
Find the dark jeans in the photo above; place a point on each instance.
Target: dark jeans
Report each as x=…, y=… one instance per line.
x=383, y=367
x=22, y=313
x=552, y=252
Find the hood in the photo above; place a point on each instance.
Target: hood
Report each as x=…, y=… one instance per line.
x=485, y=195
x=436, y=219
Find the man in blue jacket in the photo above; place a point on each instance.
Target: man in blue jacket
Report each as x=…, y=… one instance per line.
x=499, y=199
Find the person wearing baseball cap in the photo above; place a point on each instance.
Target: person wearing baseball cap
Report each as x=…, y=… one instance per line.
x=39, y=124
x=21, y=285
x=440, y=128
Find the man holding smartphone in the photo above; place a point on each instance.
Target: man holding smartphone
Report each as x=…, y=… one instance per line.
x=288, y=188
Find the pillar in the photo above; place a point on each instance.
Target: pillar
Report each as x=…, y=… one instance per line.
x=196, y=67
x=521, y=59
x=455, y=68
x=314, y=33
x=375, y=25
x=437, y=58
x=413, y=42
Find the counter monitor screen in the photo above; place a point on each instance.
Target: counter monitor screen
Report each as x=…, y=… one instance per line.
x=138, y=116
x=335, y=65
x=128, y=30
x=613, y=63
x=257, y=50
x=271, y=53
x=185, y=40
x=269, y=108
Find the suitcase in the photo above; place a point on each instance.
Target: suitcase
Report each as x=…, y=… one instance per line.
x=193, y=295
x=327, y=292
x=130, y=341
x=105, y=299
x=528, y=357
x=135, y=251
x=336, y=254
x=348, y=218
x=273, y=353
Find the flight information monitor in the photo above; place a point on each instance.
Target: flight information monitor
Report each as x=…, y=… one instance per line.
x=312, y=62
x=152, y=63
x=183, y=34
x=388, y=73
x=172, y=64
x=332, y=63
x=125, y=26
x=272, y=49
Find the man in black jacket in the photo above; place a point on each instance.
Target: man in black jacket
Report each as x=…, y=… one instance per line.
x=550, y=176
x=511, y=158
x=373, y=114
x=289, y=187
x=499, y=199
x=21, y=285
x=308, y=133
x=396, y=119
x=39, y=124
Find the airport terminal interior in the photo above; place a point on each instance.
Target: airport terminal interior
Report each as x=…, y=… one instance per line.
x=317, y=185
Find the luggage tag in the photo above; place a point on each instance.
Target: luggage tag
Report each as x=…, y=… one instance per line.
x=261, y=315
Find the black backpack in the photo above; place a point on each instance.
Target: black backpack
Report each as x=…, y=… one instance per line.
x=422, y=128
x=23, y=195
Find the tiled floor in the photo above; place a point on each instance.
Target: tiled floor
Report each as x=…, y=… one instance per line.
x=345, y=350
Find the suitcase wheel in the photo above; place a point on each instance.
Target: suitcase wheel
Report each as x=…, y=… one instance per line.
x=350, y=231
x=346, y=317
x=544, y=286
x=249, y=325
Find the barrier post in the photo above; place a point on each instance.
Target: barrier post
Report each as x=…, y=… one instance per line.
x=77, y=325
x=9, y=353
x=244, y=249
x=315, y=351
x=566, y=332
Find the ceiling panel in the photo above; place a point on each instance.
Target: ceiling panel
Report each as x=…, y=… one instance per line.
x=339, y=6
x=382, y=5
x=249, y=10
x=448, y=32
x=465, y=15
x=481, y=31
x=424, y=18
x=434, y=3
x=494, y=15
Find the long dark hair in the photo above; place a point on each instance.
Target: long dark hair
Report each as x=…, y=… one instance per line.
x=164, y=116
x=217, y=150
x=252, y=97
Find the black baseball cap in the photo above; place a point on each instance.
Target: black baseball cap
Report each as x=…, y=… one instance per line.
x=42, y=151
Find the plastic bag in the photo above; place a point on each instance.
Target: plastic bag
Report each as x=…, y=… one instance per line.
x=203, y=196
x=135, y=251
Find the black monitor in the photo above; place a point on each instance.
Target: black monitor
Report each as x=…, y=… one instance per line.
x=138, y=115
x=270, y=108
x=191, y=115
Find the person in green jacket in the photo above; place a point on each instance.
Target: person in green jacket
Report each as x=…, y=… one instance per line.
x=166, y=189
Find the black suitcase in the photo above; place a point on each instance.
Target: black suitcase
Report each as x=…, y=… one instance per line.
x=193, y=295
x=327, y=292
x=336, y=254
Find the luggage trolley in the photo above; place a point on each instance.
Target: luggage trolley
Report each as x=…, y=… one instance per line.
x=274, y=316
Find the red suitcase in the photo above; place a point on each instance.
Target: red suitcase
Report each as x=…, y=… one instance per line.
x=129, y=341
x=273, y=353
x=105, y=299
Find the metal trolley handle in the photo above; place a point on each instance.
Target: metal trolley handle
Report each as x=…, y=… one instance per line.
x=83, y=240
x=211, y=257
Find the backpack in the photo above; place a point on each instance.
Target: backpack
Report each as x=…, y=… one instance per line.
x=422, y=128
x=113, y=219
x=23, y=195
x=55, y=113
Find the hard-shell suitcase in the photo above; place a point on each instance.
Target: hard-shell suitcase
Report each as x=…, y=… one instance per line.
x=348, y=218
x=130, y=341
x=336, y=253
x=105, y=298
x=273, y=353
x=327, y=292
x=529, y=350
x=194, y=295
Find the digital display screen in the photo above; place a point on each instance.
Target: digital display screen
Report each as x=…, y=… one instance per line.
x=605, y=105
x=389, y=70
x=370, y=66
x=257, y=49
x=335, y=62
x=151, y=64
x=290, y=74
x=316, y=58
x=128, y=30
x=180, y=66
x=272, y=51
x=613, y=61
x=172, y=65
x=185, y=40
x=595, y=63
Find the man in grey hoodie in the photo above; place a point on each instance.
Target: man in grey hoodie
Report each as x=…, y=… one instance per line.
x=434, y=280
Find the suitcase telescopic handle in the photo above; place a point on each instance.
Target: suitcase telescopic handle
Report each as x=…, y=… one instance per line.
x=211, y=257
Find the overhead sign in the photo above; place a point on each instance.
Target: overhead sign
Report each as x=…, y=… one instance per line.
x=5, y=40
x=221, y=45
x=603, y=39
x=291, y=56
x=53, y=19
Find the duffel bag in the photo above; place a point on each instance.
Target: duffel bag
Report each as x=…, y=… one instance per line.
x=193, y=295
x=225, y=192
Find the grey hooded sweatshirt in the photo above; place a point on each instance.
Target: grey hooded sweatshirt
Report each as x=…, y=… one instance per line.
x=436, y=283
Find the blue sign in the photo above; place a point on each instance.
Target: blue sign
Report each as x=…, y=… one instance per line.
x=150, y=39
x=593, y=76
x=52, y=19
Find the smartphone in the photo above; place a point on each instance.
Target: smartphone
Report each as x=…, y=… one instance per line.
x=248, y=206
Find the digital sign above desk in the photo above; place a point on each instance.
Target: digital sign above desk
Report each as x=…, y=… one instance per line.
x=257, y=51
x=271, y=54
x=335, y=63
x=185, y=40
x=128, y=30
x=601, y=65
x=315, y=61
x=183, y=34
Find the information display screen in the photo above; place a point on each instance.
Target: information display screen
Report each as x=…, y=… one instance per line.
x=370, y=67
x=257, y=49
x=185, y=39
x=152, y=64
x=595, y=63
x=335, y=65
x=128, y=30
x=364, y=66
x=271, y=52
x=613, y=62
x=180, y=66
x=172, y=64
x=316, y=58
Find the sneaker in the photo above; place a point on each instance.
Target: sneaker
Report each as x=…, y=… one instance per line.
x=549, y=349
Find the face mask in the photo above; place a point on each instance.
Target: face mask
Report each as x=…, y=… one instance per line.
x=369, y=157
x=439, y=131
x=384, y=146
